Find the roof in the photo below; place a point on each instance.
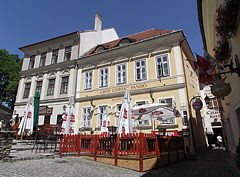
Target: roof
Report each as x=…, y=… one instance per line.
x=132, y=38
x=68, y=34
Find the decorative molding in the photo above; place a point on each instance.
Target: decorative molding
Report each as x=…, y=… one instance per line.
x=45, y=101
x=133, y=92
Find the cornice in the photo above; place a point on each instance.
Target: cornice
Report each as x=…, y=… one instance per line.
x=133, y=92
x=46, y=101
x=49, y=68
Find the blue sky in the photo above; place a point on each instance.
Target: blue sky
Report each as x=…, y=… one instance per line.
x=25, y=22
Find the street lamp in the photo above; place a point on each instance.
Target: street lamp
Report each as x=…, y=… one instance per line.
x=64, y=108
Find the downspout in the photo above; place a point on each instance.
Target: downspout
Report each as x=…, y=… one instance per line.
x=79, y=39
x=188, y=100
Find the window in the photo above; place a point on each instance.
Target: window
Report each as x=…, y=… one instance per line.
x=168, y=101
x=140, y=69
x=54, y=56
x=121, y=73
x=213, y=103
x=86, y=117
x=102, y=111
x=118, y=109
x=51, y=84
x=43, y=59
x=59, y=119
x=103, y=77
x=184, y=118
x=162, y=66
x=38, y=87
x=64, y=85
x=31, y=62
x=142, y=122
x=27, y=90
x=47, y=119
x=67, y=55
x=192, y=78
x=88, y=80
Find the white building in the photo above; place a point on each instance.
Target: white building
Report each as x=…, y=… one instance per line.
x=50, y=68
x=212, y=119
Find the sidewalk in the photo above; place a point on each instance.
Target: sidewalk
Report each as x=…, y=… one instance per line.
x=213, y=163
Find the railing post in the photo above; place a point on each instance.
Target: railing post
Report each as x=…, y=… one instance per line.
x=116, y=150
x=60, y=148
x=78, y=145
x=95, y=148
x=141, y=153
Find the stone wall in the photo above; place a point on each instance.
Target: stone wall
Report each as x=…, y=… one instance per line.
x=6, y=139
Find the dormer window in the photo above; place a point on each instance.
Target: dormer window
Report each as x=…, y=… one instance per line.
x=99, y=49
x=124, y=42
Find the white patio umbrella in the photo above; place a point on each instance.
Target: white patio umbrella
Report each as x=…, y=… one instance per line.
x=105, y=123
x=155, y=111
x=126, y=118
x=27, y=120
x=69, y=119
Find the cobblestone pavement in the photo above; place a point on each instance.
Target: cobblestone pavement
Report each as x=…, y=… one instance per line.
x=215, y=163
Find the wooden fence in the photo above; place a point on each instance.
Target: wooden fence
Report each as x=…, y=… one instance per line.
x=140, y=145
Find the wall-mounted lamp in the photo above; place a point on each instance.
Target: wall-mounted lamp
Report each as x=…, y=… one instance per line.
x=207, y=100
x=64, y=108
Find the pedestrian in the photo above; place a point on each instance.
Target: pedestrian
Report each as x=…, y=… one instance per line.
x=219, y=140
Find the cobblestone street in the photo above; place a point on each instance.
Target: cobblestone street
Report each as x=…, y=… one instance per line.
x=214, y=163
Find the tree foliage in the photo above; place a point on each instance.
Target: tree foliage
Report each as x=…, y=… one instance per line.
x=10, y=65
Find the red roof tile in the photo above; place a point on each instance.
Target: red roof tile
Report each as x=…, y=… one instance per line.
x=133, y=38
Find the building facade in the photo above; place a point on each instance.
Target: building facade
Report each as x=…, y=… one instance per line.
x=230, y=105
x=50, y=68
x=153, y=66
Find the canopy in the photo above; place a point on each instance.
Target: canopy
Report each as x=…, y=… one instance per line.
x=155, y=111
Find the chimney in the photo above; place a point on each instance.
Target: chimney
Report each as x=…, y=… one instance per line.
x=98, y=22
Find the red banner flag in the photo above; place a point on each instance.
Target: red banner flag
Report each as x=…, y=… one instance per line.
x=204, y=68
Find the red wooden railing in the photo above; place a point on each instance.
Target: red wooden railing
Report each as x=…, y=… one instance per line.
x=123, y=145
x=139, y=144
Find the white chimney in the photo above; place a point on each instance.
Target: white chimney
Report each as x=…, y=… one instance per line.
x=98, y=22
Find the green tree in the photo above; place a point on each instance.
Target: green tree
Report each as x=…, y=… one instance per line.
x=10, y=65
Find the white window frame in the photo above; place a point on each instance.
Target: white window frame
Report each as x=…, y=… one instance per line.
x=55, y=56
x=104, y=76
x=67, y=56
x=53, y=86
x=43, y=58
x=117, y=113
x=163, y=74
x=88, y=80
x=121, y=74
x=38, y=81
x=31, y=61
x=88, y=116
x=141, y=68
x=64, y=85
x=101, y=114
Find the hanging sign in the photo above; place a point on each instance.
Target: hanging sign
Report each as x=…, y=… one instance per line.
x=220, y=89
x=197, y=104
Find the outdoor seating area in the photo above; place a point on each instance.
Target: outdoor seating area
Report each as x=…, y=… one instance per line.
x=46, y=137
x=141, y=151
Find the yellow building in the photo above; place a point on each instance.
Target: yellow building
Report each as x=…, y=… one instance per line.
x=211, y=37
x=152, y=65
